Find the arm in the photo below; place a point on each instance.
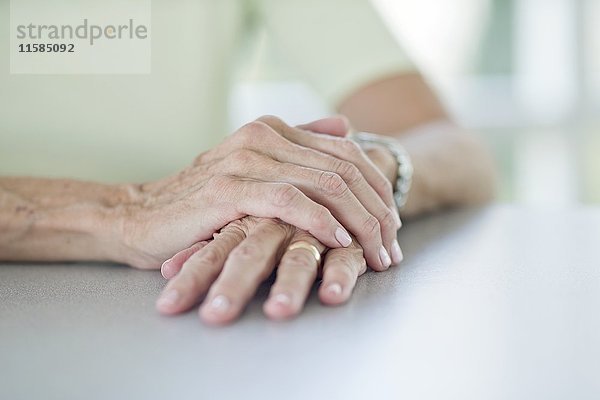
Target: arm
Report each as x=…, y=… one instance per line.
x=261, y=170
x=59, y=219
x=451, y=166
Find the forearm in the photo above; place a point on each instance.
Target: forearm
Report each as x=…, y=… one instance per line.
x=59, y=220
x=451, y=168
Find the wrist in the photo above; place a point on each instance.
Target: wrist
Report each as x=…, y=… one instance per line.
x=401, y=167
x=105, y=221
x=385, y=161
x=122, y=222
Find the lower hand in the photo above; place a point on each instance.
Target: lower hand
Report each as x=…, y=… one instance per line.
x=228, y=270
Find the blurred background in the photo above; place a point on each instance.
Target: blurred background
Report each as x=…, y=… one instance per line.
x=522, y=74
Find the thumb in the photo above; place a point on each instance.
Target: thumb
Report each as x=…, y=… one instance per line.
x=337, y=125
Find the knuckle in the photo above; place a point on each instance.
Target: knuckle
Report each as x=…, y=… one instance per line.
x=300, y=235
x=208, y=256
x=189, y=280
x=233, y=228
x=196, y=246
x=235, y=231
x=362, y=267
x=254, y=126
x=350, y=265
x=201, y=158
x=341, y=270
x=285, y=195
x=371, y=225
x=348, y=171
x=348, y=270
x=332, y=184
x=271, y=120
x=195, y=274
x=388, y=220
x=243, y=135
x=320, y=219
x=342, y=259
x=241, y=157
x=386, y=188
x=382, y=154
x=254, y=131
x=247, y=253
x=350, y=262
x=277, y=227
x=350, y=148
x=300, y=260
x=228, y=288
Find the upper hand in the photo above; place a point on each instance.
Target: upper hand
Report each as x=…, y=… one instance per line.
x=322, y=184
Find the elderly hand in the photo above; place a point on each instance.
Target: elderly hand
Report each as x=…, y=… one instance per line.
x=325, y=185
x=229, y=269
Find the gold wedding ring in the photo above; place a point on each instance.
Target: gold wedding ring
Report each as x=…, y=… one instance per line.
x=306, y=246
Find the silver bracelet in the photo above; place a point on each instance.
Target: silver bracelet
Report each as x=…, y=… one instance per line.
x=405, y=167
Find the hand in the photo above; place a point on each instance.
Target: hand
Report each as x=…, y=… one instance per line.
x=318, y=183
x=230, y=268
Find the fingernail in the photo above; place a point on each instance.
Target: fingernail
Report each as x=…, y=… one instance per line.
x=384, y=257
x=343, y=237
x=334, y=289
x=281, y=299
x=168, y=299
x=397, y=255
x=165, y=263
x=397, y=217
x=219, y=304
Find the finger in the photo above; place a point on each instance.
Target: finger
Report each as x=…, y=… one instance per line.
x=364, y=179
x=198, y=273
x=288, y=203
x=340, y=271
x=337, y=125
x=261, y=138
x=331, y=190
x=326, y=188
x=377, y=250
x=296, y=274
x=380, y=222
x=250, y=263
x=340, y=148
x=173, y=265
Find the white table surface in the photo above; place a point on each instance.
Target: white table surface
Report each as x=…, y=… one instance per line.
x=498, y=303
